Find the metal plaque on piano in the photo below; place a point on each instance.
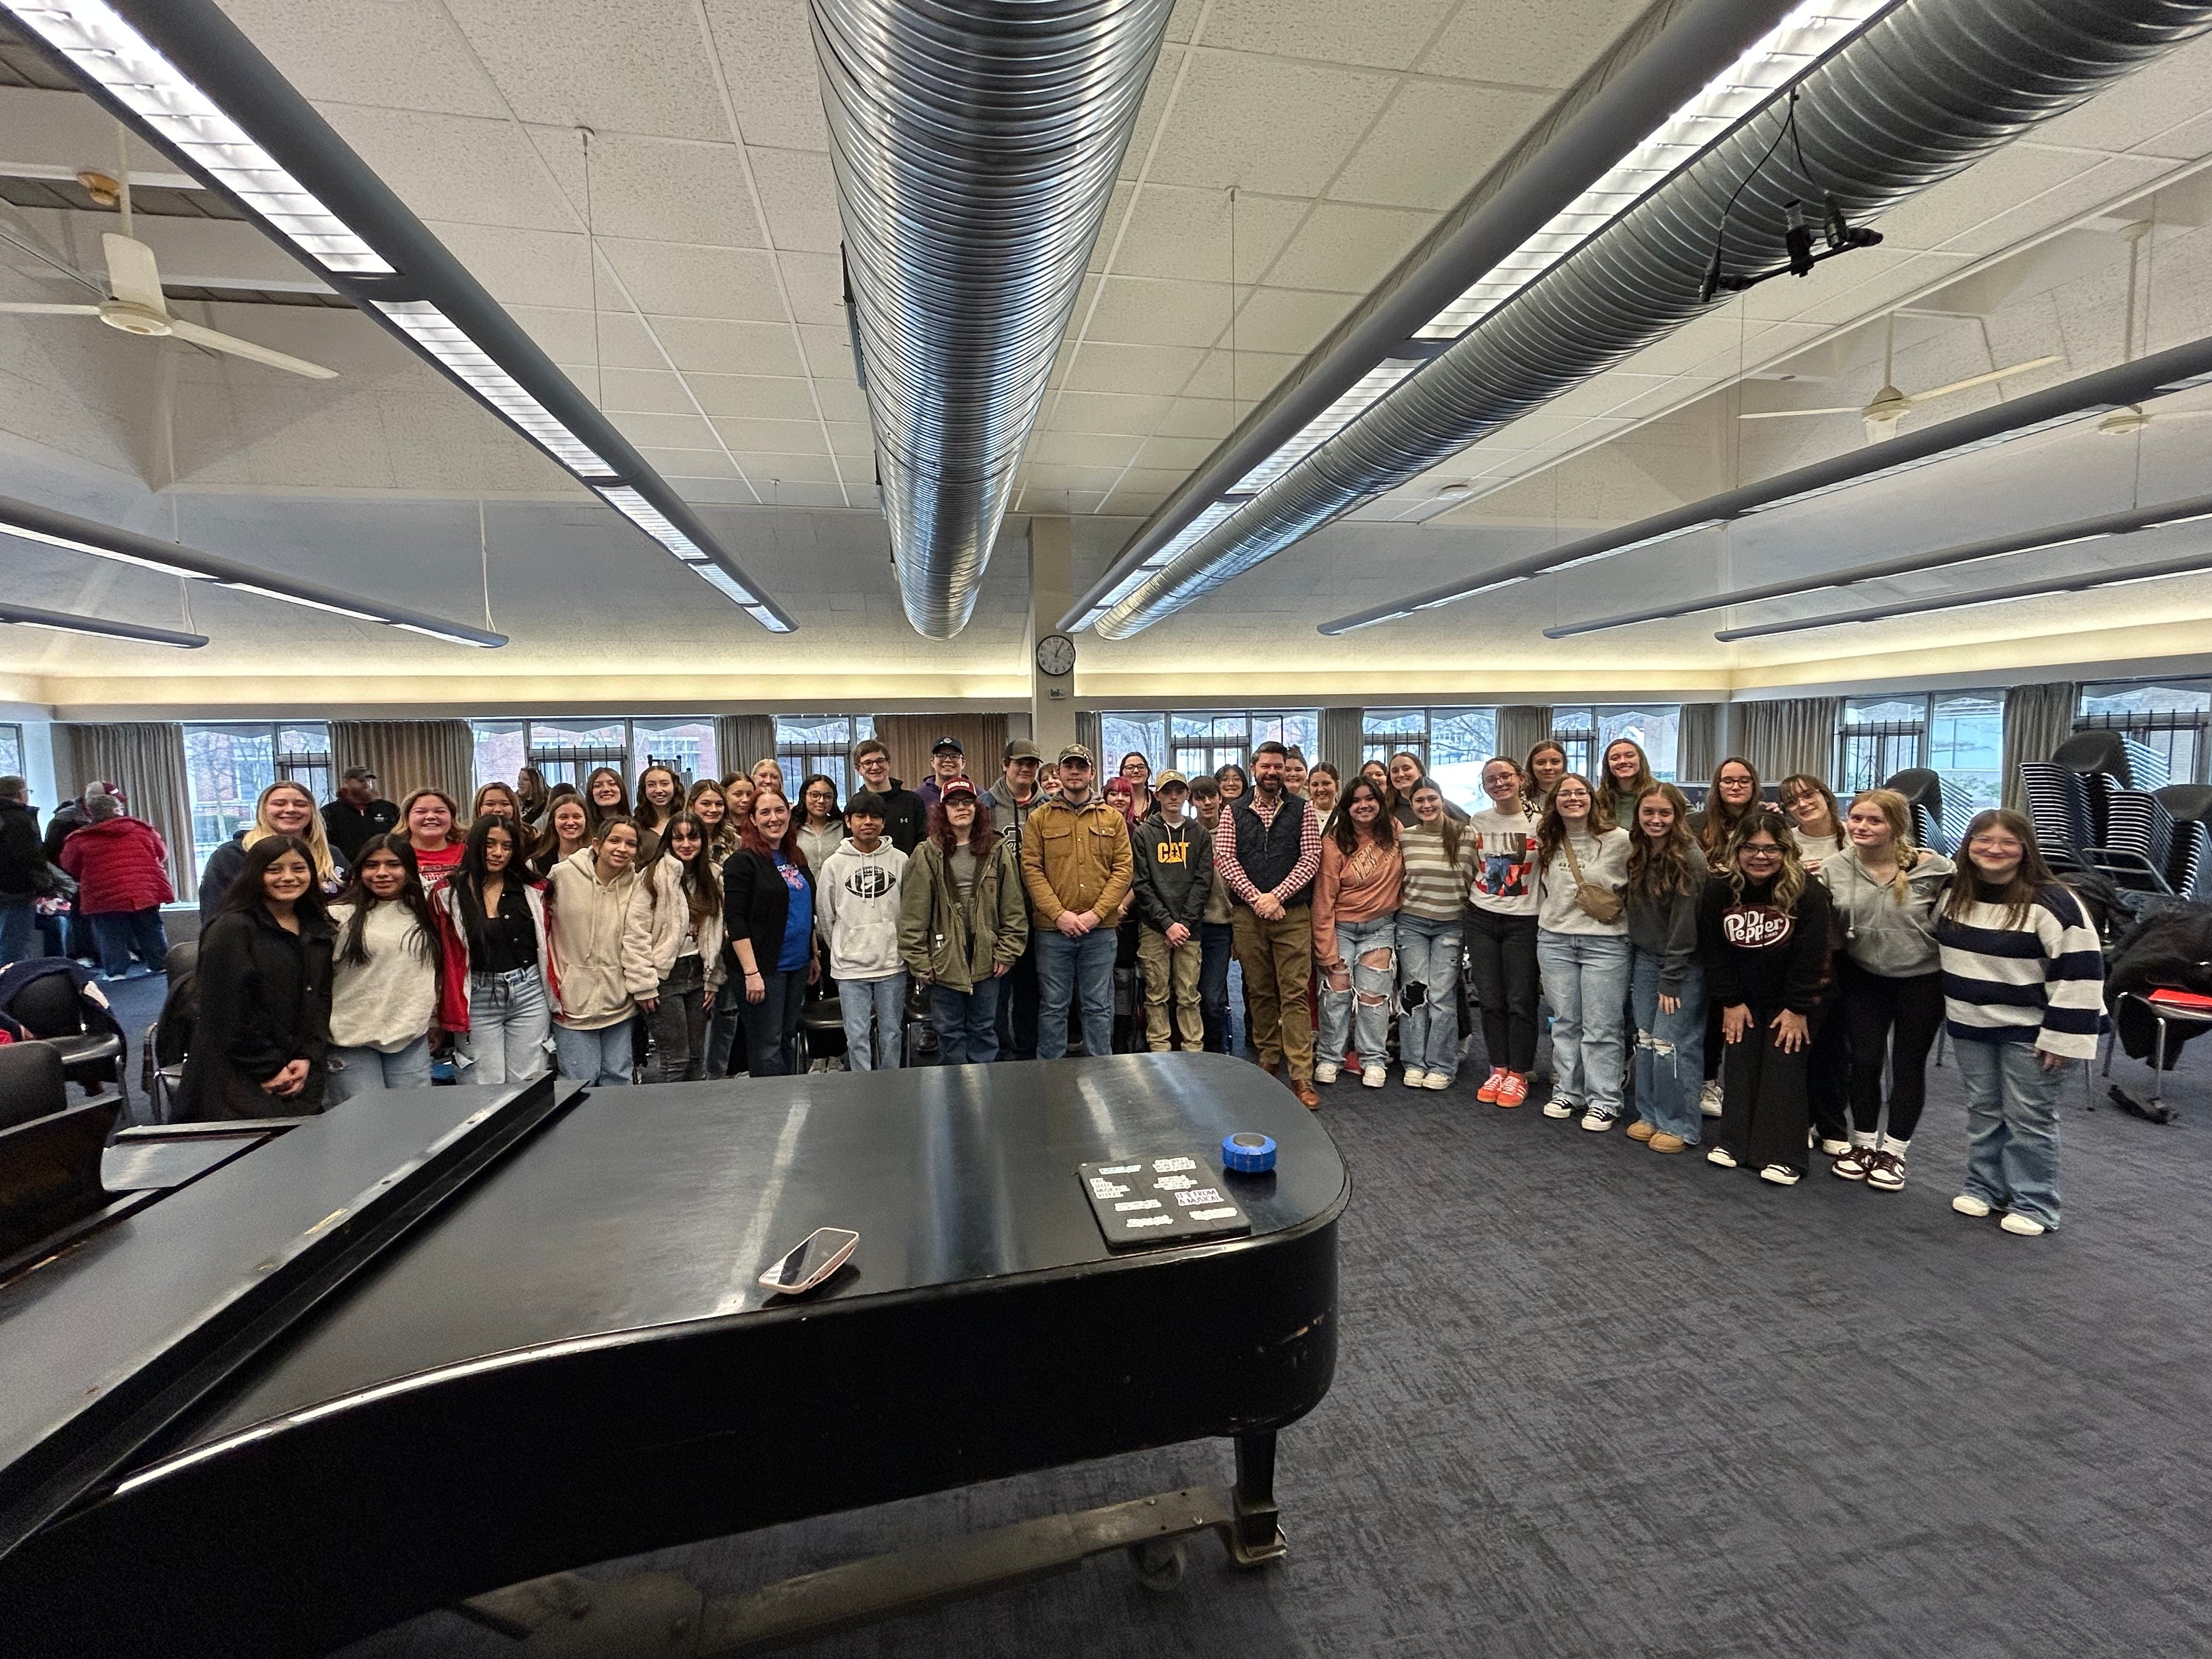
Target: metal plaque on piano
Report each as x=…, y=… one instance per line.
x=1161, y=1199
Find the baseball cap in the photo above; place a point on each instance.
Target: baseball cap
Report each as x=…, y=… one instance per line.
x=1167, y=778
x=1076, y=751
x=947, y=746
x=957, y=786
x=1023, y=749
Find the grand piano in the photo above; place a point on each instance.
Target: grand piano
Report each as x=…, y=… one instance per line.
x=441, y=1347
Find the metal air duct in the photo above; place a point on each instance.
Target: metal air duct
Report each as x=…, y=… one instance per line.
x=1922, y=93
x=976, y=144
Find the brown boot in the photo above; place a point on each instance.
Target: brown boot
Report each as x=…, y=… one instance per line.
x=1307, y=1097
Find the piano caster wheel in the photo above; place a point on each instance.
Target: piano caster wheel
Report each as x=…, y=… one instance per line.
x=1160, y=1562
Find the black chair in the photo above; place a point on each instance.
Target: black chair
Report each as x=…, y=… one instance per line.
x=917, y=1031
x=32, y=1084
x=821, y=1032
x=1923, y=797
x=52, y=1009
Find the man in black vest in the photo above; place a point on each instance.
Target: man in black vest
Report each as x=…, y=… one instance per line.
x=1266, y=848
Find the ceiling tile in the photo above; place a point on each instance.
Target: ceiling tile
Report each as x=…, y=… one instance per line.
x=665, y=279
x=772, y=437
x=768, y=57
x=1264, y=125
x=647, y=391
x=1198, y=417
x=666, y=431
x=842, y=400
x=794, y=469
x=1177, y=455
x=1383, y=37
x=469, y=168
x=656, y=190
x=1150, y=481
x=1287, y=319
x=1105, y=411
x=1132, y=368
x=1348, y=249
x=619, y=342
x=1042, y=476
x=1533, y=43
x=816, y=282
x=1143, y=311
x=786, y=493
x=690, y=463
x=1435, y=143
x=611, y=65
x=522, y=267
x=1084, y=449
x=758, y=397
x=1256, y=374
x=828, y=350
x=2141, y=109
x=799, y=197
x=851, y=438
x=1159, y=91
x=1182, y=232
x=342, y=51
x=729, y=348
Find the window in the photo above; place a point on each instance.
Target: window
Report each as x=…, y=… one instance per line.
x=569, y=752
x=1208, y=742
x=11, y=750
x=501, y=746
x=228, y=766
x=1958, y=735
x=806, y=743
x=1120, y=734
x=1453, y=744
x=2165, y=723
x=1656, y=729
x=1575, y=730
x=686, y=745
x=1880, y=738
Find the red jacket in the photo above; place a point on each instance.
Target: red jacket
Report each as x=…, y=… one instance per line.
x=120, y=864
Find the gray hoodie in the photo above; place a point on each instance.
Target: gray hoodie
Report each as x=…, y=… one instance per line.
x=856, y=908
x=1883, y=933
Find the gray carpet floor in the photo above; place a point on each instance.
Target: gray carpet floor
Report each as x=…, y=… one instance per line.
x=1593, y=1401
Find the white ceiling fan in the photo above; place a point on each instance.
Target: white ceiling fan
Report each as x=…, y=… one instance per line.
x=1889, y=405
x=2134, y=417
x=136, y=306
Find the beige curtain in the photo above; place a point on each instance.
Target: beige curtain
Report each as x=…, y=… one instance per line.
x=1794, y=734
x=1697, y=742
x=2037, y=719
x=1343, y=730
x=740, y=740
x=407, y=756
x=1090, y=732
x=146, y=760
x=1521, y=727
x=909, y=737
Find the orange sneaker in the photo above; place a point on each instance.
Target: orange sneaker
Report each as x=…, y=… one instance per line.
x=1489, y=1089
x=1512, y=1089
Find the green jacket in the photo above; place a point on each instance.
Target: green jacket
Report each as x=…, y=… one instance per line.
x=944, y=945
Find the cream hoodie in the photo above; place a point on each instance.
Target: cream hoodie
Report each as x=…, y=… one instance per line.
x=652, y=934
x=589, y=917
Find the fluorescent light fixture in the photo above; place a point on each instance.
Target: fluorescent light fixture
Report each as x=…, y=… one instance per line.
x=450, y=638
x=2079, y=582
x=1167, y=553
x=295, y=599
x=1352, y=624
x=437, y=334
x=650, y=519
x=110, y=52
x=2186, y=518
x=160, y=565
x=714, y=576
x=1365, y=393
x=68, y=621
x=1783, y=55
x=1627, y=547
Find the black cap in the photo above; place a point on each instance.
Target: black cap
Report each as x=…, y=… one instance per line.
x=947, y=746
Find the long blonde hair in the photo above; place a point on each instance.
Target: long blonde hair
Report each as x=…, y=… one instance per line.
x=1898, y=812
x=318, y=841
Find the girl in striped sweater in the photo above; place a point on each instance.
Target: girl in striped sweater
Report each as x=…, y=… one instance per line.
x=2022, y=991
x=1439, y=864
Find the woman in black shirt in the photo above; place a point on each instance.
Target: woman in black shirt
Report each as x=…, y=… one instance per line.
x=497, y=988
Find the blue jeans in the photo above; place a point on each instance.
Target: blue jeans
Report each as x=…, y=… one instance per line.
x=1670, y=1049
x=874, y=1011
x=1075, y=968
x=120, y=934
x=1363, y=1005
x=2012, y=1126
x=361, y=1071
x=1428, y=1032
x=967, y=1022
x=1217, y=950
x=772, y=1023
x=509, y=1023
x=19, y=930
x=1585, y=978
x=601, y=1057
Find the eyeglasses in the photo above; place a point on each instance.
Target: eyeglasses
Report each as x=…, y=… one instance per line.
x=1750, y=851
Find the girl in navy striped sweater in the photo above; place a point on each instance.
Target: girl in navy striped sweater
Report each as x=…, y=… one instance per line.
x=2022, y=991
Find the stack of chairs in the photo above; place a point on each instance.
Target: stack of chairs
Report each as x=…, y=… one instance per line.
x=2189, y=859
x=2058, y=807
x=1923, y=794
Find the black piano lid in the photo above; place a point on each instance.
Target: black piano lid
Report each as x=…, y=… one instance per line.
x=651, y=1207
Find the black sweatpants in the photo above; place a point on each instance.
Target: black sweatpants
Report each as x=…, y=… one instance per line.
x=1764, y=1109
x=1828, y=1073
x=1501, y=951
x=1903, y=1015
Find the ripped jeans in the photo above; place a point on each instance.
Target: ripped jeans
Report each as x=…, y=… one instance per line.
x=1669, y=1048
x=1370, y=950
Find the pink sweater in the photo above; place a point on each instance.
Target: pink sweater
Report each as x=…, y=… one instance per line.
x=1358, y=887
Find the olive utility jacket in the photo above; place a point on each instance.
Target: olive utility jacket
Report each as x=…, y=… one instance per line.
x=943, y=945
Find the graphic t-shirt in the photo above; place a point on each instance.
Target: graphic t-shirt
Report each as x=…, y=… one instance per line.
x=1756, y=927
x=1505, y=853
x=798, y=920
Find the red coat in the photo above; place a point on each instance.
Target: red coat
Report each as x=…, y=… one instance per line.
x=120, y=864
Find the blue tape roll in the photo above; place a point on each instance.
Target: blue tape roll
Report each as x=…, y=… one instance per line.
x=1248, y=1153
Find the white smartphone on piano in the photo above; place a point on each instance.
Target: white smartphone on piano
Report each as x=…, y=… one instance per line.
x=817, y=1256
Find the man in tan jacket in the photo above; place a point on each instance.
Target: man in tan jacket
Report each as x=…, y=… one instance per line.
x=1075, y=864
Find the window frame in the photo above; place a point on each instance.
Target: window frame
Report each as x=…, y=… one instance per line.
x=305, y=767
x=11, y=737
x=801, y=758
x=2155, y=729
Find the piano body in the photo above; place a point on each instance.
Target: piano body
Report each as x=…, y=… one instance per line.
x=448, y=1341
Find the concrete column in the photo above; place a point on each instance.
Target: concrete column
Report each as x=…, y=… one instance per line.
x=1052, y=590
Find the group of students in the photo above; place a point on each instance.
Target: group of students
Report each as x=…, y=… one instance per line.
x=1784, y=969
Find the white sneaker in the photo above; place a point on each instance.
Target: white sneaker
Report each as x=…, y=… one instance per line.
x=1416, y=1078
x=1598, y=1122
x=1435, y=1080
x=1722, y=1156
x=1557, y=1107
x=1325, y=1071
x=1967, y=1204
x=1834, y=1148
x=1709, y=1098
x=1780, y=1174
x=1375, y=1077
x=2015, y=1223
